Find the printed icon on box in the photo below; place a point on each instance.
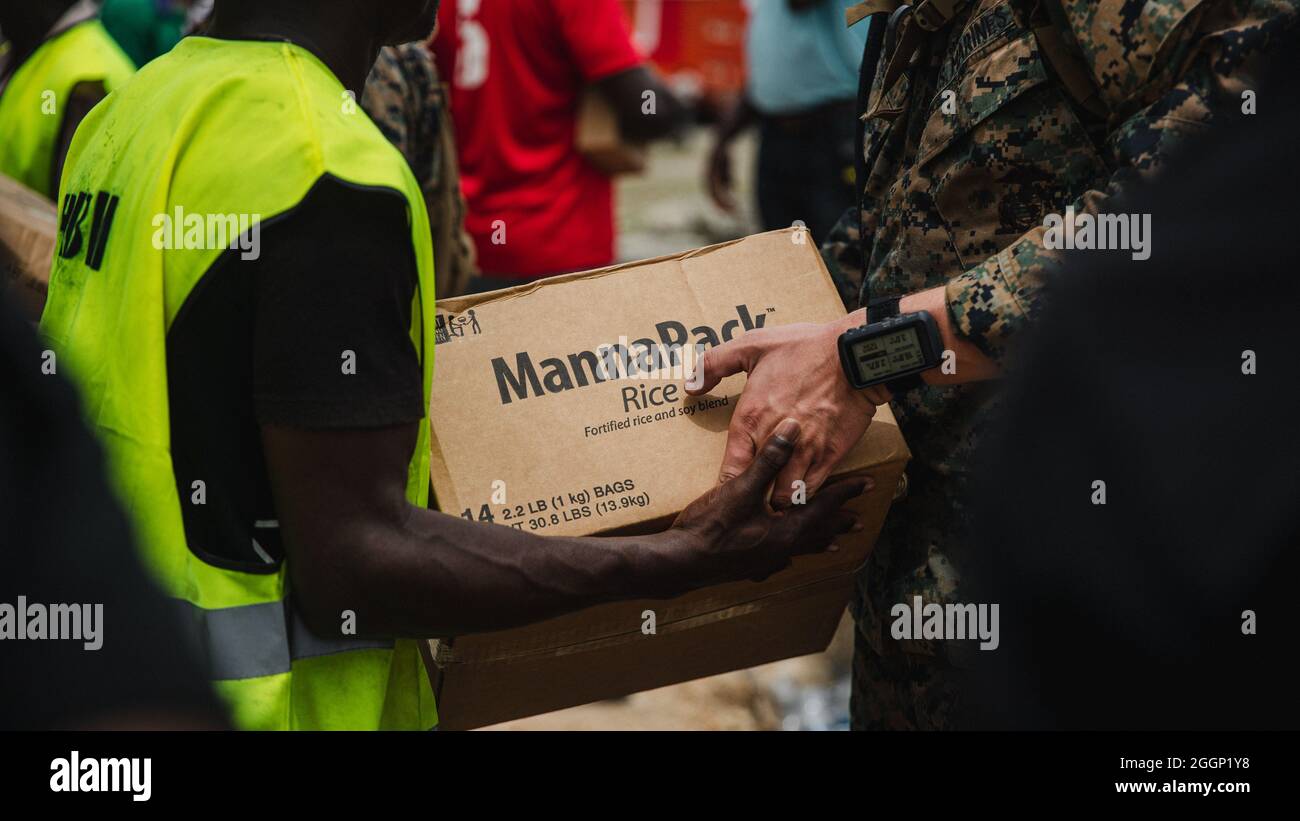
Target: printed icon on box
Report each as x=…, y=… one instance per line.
x=447, y=327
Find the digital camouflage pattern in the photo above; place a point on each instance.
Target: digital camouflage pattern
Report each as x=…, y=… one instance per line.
x=955, y=196
x=405, y=98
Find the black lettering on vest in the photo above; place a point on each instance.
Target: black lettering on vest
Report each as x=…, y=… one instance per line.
x=100, y=225
x=75, y=207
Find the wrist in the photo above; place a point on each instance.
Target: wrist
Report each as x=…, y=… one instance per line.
x=934, y=303
x=877, y=395
x=658, y=564
x=890, y=348
x=971, y=363
x=855, y=319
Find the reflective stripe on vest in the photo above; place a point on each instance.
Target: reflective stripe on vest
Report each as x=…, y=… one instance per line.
x=243, y=128
x=33, y=101
x=260, y=639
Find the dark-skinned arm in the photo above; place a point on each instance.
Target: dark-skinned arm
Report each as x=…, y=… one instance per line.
x=625, y=92
x=731, y=123
x=355, y=543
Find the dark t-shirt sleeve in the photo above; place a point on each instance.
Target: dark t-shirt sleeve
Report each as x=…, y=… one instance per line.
x=333, y=295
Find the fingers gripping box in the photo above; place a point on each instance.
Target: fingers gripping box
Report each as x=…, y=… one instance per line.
x=559, y=408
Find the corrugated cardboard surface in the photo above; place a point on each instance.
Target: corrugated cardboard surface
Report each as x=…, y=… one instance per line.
x=569, y=469
x=28, y=228
x=791, y=623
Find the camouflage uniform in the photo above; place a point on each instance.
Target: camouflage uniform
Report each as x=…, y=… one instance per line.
x=957, y=198
x=405, y=98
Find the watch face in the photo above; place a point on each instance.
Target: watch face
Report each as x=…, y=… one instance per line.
x=888, y=355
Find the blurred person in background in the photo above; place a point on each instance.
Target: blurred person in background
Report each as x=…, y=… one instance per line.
x=802, y=66
x=407, y=100
x=59, y=64
x=198, y=13
x=518, y=69
x=145, y=29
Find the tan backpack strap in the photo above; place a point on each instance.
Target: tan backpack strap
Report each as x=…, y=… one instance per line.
x=858, y=12
x=933, y=15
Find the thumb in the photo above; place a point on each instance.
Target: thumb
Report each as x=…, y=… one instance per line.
x=772, y=456
x=715, y=365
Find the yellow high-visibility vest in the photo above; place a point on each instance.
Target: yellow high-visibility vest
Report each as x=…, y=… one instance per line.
x=33, y=101
x=221, y=127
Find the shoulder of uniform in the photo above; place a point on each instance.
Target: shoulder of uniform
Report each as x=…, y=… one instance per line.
x=1120, y=41
x=1122, y=26
x=1128, y=47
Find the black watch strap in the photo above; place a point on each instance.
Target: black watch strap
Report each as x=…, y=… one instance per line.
x=887, y=308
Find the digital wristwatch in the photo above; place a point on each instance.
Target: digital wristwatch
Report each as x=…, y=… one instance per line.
x=891, y=349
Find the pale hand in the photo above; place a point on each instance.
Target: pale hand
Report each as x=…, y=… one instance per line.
x=794, y=372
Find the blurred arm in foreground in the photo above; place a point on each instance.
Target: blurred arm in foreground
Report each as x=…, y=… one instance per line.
x=1148, y=463
x=67, y=545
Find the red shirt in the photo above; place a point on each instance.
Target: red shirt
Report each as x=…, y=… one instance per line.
x=517, y=69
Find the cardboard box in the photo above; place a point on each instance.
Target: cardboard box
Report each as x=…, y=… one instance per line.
x=599, y=139
x=516, y=400
x=29, y=226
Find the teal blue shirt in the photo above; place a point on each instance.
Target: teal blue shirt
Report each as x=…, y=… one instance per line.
x=799, y=60
x=145, y=29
